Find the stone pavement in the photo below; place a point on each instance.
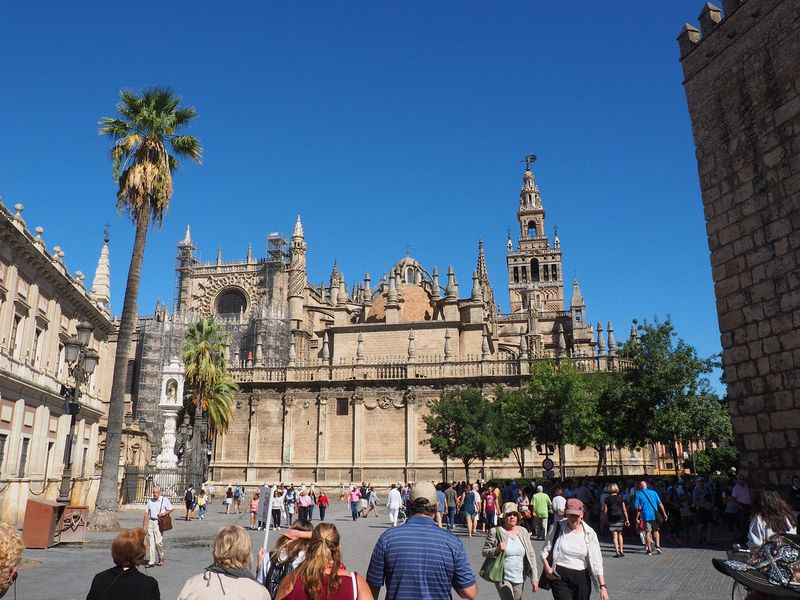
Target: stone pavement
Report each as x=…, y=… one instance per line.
x=65, y=572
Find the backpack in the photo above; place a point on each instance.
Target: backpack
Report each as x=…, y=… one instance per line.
x=188, y=496
x=277, y=571
x=236, y=494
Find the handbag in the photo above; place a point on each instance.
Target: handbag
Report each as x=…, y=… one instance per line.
x=164, y=521
x=493, y=567
x=659, y=516
x=544, y=581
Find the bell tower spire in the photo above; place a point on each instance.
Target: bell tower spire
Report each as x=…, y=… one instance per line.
x=534, y=268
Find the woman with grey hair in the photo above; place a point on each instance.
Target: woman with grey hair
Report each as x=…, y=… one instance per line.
x=519, y=558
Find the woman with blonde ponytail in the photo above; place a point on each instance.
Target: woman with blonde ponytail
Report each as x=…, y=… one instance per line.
x=322, y=575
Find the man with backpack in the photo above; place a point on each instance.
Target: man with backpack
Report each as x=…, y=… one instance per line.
x=190, y=500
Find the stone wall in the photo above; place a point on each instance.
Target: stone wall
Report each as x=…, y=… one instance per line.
x=742, y=83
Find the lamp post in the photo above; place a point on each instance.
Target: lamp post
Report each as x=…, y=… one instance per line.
x=82, y=362
x=562, y=471
x=128, y=423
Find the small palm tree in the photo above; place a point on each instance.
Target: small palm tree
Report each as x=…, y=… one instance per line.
x=147, y=124
x=209, y=386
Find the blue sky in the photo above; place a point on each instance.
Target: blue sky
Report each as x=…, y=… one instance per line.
x=386, y=126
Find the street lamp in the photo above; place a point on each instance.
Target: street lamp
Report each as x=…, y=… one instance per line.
x=128, y=418
x=562, y=471
x=82, y=362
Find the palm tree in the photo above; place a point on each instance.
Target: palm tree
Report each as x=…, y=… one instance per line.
x=210, y=387
x=146, y=124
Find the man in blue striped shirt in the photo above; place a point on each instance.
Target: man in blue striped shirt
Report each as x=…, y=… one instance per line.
x=420, y=560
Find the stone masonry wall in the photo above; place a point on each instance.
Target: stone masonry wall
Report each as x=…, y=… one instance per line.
x=742, y=83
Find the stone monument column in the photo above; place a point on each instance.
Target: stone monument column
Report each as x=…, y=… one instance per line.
x=172, y=381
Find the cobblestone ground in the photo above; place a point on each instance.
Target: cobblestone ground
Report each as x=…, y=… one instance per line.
x=65, y=572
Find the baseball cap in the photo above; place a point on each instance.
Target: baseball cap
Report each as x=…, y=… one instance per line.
x=424, y=489
x=574, y=507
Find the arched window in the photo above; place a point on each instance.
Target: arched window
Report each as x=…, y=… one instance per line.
x=554, y=272
x=516, y=274
x=231, y=302
x=535, y=270
x=409, y=275
x=546, y=271
x=524, y=275
x=532, y=229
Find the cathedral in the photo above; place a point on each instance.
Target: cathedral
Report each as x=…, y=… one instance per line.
x=335, y=378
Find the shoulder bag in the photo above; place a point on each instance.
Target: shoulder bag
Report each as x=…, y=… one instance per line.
x=164, y=521
x=659, y=516
x=544, y=581
x=493, y=567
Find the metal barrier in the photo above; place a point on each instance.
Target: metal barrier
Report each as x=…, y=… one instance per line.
x=137, y=484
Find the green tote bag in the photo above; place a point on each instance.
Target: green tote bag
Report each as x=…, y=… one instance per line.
x=494, y=566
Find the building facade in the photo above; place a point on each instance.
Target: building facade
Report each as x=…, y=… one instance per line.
x=41, y=304
x=742, y=86
x=335, y=378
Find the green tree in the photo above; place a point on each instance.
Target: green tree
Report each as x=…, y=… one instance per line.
x=566, y=406
x=209, y=387
x=669, y=391
x=463, y=425
x=517, y=428
x=146, y=124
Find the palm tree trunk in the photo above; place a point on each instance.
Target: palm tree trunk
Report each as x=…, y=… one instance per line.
x=105, y=514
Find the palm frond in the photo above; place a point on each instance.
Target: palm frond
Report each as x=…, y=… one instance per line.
x=188, y=146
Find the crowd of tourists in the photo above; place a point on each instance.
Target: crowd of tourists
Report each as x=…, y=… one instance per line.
x=422, y=559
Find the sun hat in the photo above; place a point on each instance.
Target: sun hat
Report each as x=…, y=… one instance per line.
x=773, y=569
x=424, y=489
x=510, y=508
x=574, y=507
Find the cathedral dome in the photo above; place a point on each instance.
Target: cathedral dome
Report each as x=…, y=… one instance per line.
x=416, y=305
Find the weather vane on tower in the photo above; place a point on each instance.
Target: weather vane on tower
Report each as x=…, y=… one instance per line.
x=529, y=160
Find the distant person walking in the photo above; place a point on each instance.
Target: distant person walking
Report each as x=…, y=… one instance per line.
x=616, y=515
x=157, y=506
x=322, y=503
x=648, y=505
x=354, y=498
x=393, y=504
x=541, y=511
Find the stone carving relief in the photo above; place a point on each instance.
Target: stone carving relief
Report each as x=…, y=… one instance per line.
x=212, y=285
x=384, y=402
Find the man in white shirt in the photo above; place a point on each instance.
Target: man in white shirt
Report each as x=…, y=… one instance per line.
x=393, y=504
x=156, y=507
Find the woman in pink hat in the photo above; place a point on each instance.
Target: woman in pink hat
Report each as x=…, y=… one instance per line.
x=571, y=557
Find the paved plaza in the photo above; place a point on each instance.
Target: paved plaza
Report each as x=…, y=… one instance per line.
x=65, y=572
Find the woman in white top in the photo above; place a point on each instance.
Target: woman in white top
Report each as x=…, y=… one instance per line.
x=519, y=560
x=576, y=562
x=771, y=514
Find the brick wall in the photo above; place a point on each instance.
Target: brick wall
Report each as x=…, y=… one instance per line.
x=742, y=83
